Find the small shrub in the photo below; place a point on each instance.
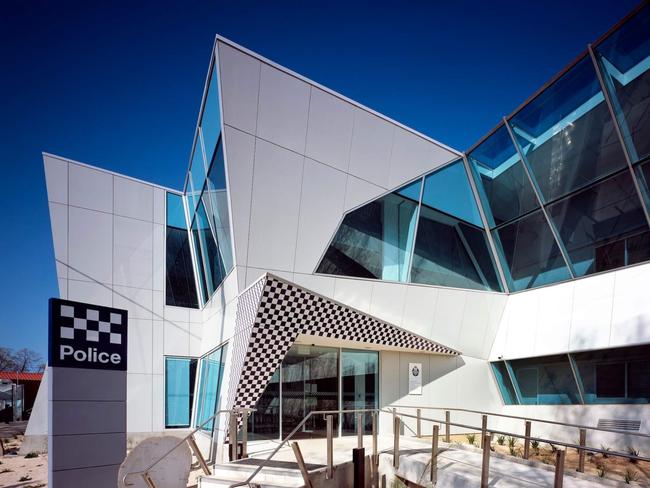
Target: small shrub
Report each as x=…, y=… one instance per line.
x=512, y=442
x=535, y=446
x=471, y=438
x=25, y=478
x=501, y=440
x=553, y=448
x=601, y=469
x=633, y=452
x=31, y=455
x=607, y=449
x=514, y=450
x=631, y=475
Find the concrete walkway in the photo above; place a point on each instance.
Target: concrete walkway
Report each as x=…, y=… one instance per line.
x=457, y=467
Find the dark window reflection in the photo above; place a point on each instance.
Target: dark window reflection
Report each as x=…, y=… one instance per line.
x=503, y=382
x=603, y=227
x=360, y=386
x=180, y=289
x=264, y=423
x=545, y=381
x=532, y=256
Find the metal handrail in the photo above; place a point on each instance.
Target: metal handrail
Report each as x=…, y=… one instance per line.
x=519, y=436
x=553, y=422
x=248, y=480
x=184, y=439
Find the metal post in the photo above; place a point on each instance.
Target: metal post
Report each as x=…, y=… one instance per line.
x=359, y=466
x=559, y=468
x=483, y=429
x=581, y=452
x=485, y=467
x=197, y=453
x=374, y=439
x=147, y=479
x=360, y=430
x=301, y=464
x=396, y=427
x=527, y=440
x=418, y=431
x=244, y=434
x=329, y=474
x=232, y=435
x=447, y=426
x=434, y=455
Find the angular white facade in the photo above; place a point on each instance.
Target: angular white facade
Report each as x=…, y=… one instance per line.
x=298, y=158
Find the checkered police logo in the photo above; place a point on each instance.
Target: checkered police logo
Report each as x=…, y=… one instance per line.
x=87, y=336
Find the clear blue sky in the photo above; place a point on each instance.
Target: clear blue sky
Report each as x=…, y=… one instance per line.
x=118, y=84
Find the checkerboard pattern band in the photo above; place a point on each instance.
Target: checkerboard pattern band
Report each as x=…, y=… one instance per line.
x=284, y=311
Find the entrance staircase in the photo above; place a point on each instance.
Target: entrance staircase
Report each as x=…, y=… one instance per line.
x=224, y=475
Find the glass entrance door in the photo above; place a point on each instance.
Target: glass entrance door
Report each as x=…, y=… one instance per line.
x=310, y=381
x=360, y=387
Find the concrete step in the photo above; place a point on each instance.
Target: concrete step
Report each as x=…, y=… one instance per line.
x=224, y=475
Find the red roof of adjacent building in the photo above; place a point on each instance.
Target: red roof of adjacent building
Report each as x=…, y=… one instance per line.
x=13, y=375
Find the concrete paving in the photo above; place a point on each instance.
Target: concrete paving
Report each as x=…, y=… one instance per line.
x=457, y=467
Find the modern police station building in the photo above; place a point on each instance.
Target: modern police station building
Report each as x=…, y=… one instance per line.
x=318, y=252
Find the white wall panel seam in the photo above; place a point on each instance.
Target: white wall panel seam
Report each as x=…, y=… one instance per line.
x=108, y=172
x=611, y=312
x=332, y=92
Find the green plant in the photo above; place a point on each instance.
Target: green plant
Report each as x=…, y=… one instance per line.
x=512, y=442
x=631, y=475
x=31, y=455
x=501, y=440
x=514, y=450
x=553, y=448
x=633, y=452
x=471, y=438
x=601, y=469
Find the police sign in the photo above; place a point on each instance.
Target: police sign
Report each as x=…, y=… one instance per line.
x=87, y=336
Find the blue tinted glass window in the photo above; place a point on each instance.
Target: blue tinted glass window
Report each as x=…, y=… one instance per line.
x=211, y=375
x=451, y=247
x=603, y=227
x=625, y=61
x=197, y=177
x=175, y=211
x=545, y=381
x=530, y=255
x=180, y=287
x=179, y=391
x=567, y=135
x=215, y=200
x=501, y=179
x=503, y=382
x=375, y=241
x=211, y=118
x=448, y=190
x=207, y=252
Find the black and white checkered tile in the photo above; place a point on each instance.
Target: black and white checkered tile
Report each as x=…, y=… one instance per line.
x=89, y=324
x=284, y=311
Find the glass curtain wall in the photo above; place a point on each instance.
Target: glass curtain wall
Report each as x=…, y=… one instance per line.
x=606, y=376
x=429, y=231
x=207, y=196
x=561, y=151
x=317, y=378
x=180, y=285
x=211, y=368
x=180, y=375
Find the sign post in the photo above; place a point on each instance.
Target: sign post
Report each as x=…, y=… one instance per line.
x=87, y=358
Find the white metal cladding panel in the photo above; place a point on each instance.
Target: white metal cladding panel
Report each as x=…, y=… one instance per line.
x=285, y=311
